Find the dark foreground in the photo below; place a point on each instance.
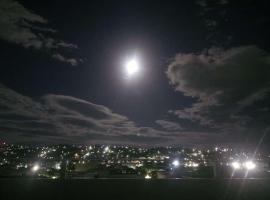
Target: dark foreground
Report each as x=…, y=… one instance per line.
x=111, y=189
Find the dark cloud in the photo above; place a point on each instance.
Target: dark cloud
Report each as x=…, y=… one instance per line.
x=65, y=119
x=25, y=28
x=231, y=88
x=69, y=118
x=169, y=125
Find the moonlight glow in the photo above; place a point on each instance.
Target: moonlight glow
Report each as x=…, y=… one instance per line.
x=132, y=67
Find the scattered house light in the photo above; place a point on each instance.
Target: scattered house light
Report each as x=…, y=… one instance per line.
x=147, y=176
x=35, y=168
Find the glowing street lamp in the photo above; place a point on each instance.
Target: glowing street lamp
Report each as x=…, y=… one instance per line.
x=236, y=165
x=35, y=168
x=249, y=165
x=176, y=163
x=147, y=176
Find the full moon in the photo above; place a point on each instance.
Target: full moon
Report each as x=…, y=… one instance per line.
x=132, y=67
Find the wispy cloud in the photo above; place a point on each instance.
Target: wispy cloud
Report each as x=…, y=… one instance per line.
x=65, y=119
x=169, y=125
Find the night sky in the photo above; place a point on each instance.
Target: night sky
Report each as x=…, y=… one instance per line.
x=203, y=77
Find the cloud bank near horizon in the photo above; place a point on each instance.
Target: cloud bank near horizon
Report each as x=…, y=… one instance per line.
x=65, y=119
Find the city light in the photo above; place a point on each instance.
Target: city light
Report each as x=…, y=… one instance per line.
x=175, y=163
x=106, y=149
x=35, y=168
x=57, y=166
x=191, y=164
x=195, y=164
x=249, y=165
x=127, y=160
x=147, y=176
x=236, y=165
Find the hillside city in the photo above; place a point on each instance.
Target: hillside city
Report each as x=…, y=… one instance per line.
x=124, y=161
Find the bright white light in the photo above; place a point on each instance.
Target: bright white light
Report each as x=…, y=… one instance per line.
x=35, y=168
x=236, y=165
x=132, y=67
x=147, y=176
x=106, y=149
x=195, y=164
x=249, y=165
x=176, y=163
x=57, y=166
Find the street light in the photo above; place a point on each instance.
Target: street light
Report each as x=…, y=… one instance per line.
x=176, y=163
x=249, y=165
x=147, y=176
x=236, y=165
x=35, y=168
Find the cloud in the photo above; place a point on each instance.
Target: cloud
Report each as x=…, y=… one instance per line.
x=25, y=28
x=71, y=61
x=231, y=88
x=65, y=119
x=169, y=125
